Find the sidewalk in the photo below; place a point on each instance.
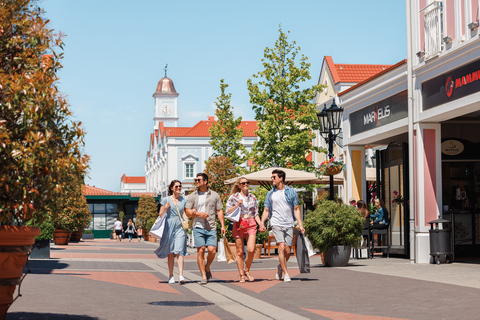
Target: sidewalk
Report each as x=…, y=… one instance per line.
x=105, y=279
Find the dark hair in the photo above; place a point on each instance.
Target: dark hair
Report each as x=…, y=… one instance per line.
x=170, y=187
x=203, y=175
x=280, y=174
x=361, y=204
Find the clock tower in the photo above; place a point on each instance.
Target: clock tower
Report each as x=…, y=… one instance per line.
x=165, y=103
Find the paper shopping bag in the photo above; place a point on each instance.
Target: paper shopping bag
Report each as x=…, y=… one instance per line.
x=228, y=252
x=158, y=227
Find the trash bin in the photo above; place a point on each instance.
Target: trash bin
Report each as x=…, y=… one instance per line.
x=440, y=242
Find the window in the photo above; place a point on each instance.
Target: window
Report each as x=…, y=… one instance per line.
x=189, y=168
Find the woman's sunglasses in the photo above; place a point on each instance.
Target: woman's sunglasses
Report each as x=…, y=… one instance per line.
x=177, y=187
x=245, y=183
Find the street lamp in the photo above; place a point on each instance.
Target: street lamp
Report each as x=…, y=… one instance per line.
x=330, y=120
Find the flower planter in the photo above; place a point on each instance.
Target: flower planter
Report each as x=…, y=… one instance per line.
x=61, y=237
x=15, y=244
x=331, y=171
x=40, y=250
x=338, y=256
x=87, y=236
x=258, y=251
x=76, y=235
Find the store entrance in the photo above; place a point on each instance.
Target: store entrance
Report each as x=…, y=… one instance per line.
x=461, y=199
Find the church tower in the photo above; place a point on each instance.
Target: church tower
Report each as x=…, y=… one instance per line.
x=165, y=103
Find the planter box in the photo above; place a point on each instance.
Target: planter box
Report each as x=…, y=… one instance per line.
x=40, y=250
x=87, y=236
x=152, y=239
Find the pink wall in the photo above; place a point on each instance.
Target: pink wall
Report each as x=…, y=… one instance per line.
x=430, y=175
x=415, y=181
x=450, y=11
x=421, y=29
x=474, y=10
x=463, y=17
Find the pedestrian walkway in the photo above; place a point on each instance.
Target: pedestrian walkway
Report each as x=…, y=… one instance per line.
x=105, y=279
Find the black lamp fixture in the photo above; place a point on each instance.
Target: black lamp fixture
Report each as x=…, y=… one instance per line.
x=330, y=120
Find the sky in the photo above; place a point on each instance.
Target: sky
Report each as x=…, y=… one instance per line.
x=115, y=53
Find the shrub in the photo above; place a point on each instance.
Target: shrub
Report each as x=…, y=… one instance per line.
x=333, y=224
x=147, y=210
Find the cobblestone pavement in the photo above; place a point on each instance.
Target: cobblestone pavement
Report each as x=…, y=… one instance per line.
x=105, y=279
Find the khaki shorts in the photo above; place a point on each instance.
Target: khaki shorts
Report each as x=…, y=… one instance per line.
x=283, y=234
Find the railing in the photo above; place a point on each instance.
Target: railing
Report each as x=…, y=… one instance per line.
x=433, y=22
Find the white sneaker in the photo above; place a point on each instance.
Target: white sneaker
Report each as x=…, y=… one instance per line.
x=286, y=278
x=171, y=280
x=181, y=279
x=278, y=275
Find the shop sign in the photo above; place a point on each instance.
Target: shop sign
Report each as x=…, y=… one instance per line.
x=381, y=113
x=452, y=85
x=452, y=147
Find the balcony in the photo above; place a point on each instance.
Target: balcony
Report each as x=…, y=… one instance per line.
x=433, y=22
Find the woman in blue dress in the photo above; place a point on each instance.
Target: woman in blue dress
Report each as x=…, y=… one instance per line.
x=174, y=239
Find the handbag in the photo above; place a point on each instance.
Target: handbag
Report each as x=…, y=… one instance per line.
x=228, y=252
x=235, y=215
x=303, y=258
x=158, y=227
x=184, y=222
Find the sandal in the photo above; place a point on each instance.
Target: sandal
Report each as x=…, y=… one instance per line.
x=242, y=278
x=249, y=276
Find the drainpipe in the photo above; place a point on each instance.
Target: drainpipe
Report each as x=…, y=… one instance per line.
x=410, y=131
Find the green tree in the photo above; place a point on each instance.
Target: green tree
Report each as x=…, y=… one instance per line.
x=71, y=211
x=226, y=133
x=147, y=209
x=285, y=114
x=40, y=146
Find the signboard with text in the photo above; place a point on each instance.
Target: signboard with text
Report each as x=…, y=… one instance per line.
x=379, y=114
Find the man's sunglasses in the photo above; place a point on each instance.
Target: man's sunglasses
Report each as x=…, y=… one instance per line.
x=197, y=180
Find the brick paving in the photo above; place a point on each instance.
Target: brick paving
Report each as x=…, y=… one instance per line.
x=105, y=279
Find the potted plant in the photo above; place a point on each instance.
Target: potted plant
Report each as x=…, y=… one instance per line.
x=333, y=228
x=330, y=167
x=149, y=226
x=41, y=248
x=40, y=145
x=87, y=234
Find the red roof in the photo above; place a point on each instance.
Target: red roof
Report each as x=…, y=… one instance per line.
x=352, y=72
x=202, y=127
x=373, y=77
x=94, y=191
x=126, y=179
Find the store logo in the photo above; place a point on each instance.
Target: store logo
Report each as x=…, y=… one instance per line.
x=449, y=87
x=464, y=80
x=378, y=113
x=452, y=147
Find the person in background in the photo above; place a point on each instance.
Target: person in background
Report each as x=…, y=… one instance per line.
x=281, y=205
x=352, y=201
x=130, y=230
x=203, y=205
x=118, y=227
x=379, y=218
x=139, y=234
x=174, y=239
x=246, y=227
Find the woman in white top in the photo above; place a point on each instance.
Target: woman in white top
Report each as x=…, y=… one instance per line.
x=246, y=227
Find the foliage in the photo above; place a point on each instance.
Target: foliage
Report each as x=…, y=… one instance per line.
x=327, y=164
x=46, y=227
x=333, y=224
x=71, y=211
x=285, y=115
x=261, y=193
x=121, y=216
x=149, y=224
x=397, y=198
x=219, y=169
x=147, y=210
x=88, y=231
x=40, y=146
x=226, y=133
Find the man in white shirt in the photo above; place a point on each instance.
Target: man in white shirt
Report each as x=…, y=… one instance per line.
x=281, y=204
x=118, y=229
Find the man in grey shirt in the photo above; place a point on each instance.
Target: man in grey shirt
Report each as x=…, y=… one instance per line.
x=202, y=206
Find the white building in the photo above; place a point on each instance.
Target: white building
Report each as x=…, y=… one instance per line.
x=179, y=152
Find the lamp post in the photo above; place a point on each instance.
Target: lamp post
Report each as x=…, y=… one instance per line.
x=330, y=120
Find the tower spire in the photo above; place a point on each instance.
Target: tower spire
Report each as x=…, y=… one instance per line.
x=165, y=70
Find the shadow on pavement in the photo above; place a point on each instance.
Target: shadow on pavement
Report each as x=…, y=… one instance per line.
x=44, y=266
x=182, y=303
x=45, y=316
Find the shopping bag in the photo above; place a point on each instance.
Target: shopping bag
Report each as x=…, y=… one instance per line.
x=235, y=215
x=228, y=253
x=158, y=227
x=309, y=246
x=303, y=259
x=221, y=257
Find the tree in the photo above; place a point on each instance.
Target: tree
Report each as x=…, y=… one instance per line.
x=147, y=209
x=285, y=115
x=71, y=211
x=40, y=146
x=226, y=134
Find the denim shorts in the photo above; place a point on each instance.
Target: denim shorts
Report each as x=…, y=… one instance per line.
x=205, y=238
x=283, y=234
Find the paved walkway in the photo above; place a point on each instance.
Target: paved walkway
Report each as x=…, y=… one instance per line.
x=105, y=279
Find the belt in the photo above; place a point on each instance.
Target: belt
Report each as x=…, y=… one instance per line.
x=246, y=216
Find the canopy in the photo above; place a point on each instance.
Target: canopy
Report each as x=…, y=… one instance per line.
x=263, y=177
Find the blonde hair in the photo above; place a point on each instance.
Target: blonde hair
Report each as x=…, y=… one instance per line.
x=235, y=187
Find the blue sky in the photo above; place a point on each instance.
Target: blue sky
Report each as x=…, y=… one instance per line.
x=115, y=52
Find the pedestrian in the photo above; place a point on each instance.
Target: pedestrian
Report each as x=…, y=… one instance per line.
x=352, y=201
x=174, y=239
x=203, y=205
x=139, y=234
x=281, y=206
x=118, y=227
x=130, y=230
x=246, y=227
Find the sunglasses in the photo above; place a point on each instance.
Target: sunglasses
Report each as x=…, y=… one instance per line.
x=198, y=180
x=177, y=187
x=245, y=183
x=274, y=177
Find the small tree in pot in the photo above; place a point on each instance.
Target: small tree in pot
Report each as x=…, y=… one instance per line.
x=334, y=227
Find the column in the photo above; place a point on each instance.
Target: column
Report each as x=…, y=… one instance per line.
x=356, y=174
